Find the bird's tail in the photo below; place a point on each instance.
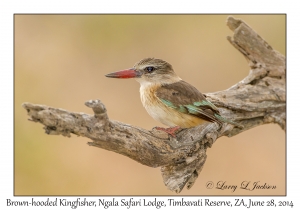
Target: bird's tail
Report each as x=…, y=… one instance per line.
x=223, y=119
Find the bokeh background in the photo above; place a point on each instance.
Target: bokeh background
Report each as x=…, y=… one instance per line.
x=61, y=60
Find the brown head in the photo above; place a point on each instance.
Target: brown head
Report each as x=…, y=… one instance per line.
x=148, y=70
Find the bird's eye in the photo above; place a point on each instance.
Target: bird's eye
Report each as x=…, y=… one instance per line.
x=150, y=69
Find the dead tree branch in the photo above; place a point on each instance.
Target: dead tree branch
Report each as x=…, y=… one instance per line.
x=257, y=99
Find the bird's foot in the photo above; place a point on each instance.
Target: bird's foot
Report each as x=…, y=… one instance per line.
x=171, y=131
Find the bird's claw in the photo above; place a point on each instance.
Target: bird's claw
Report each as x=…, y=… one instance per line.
x=171, y=131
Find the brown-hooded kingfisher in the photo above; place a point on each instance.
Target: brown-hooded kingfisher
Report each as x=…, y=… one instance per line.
x=169, y=99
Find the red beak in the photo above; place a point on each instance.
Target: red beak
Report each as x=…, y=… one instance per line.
x=124, y=74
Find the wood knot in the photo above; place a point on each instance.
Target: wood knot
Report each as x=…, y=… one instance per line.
x=98, y=108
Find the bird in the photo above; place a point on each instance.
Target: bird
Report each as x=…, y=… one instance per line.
x=169, y=99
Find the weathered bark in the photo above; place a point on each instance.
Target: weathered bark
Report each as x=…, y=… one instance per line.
x=258, y=99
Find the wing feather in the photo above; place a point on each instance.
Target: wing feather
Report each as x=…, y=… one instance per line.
x=185, y=98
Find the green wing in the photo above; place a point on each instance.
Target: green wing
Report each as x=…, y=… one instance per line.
x=185, y=98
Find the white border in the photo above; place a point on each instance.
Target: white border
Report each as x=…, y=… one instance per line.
x=8, y=8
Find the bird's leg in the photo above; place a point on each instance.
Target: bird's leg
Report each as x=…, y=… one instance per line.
x=171, y=131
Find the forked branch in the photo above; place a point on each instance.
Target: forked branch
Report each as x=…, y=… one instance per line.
x=257, y=99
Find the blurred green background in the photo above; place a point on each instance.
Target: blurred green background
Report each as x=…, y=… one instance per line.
x=61, y=60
